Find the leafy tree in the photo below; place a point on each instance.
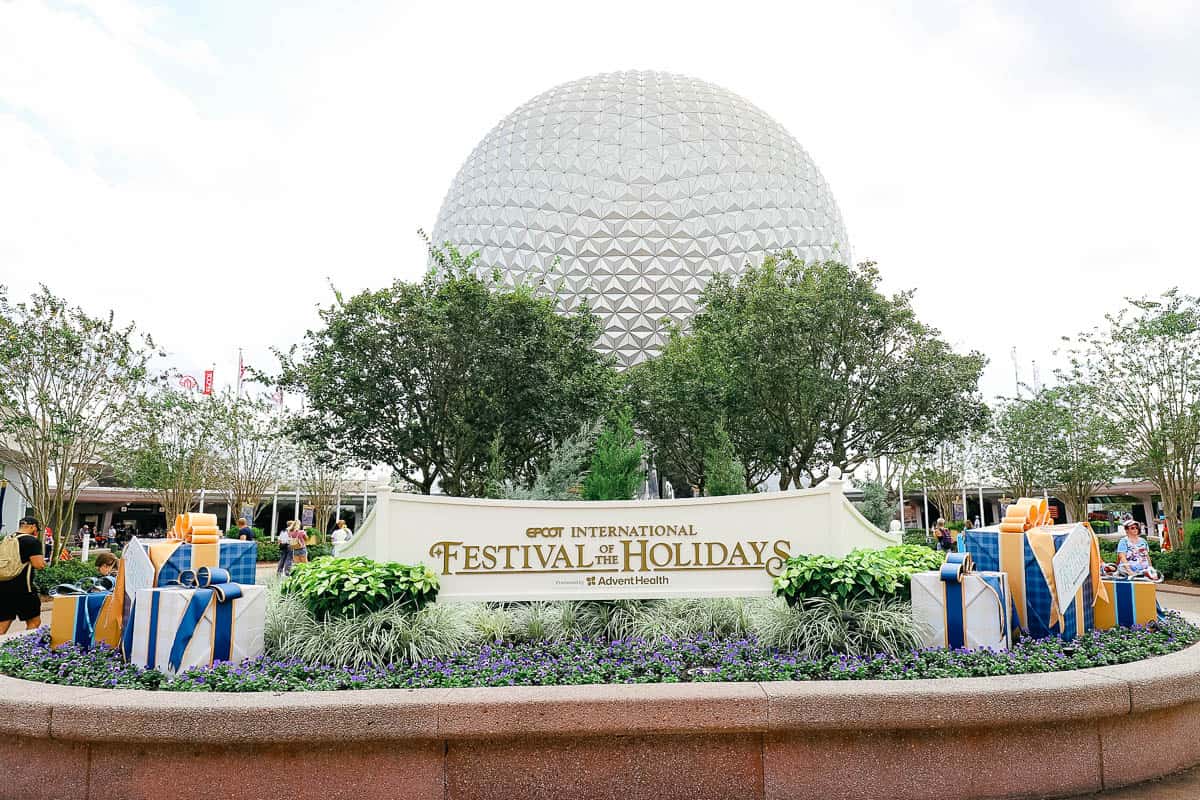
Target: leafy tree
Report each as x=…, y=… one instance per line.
x=721, y=468
x=874, y=505
x=169, y=447
x=425, y=376
x=322, y=481
x=68, y=384
x=1083, y=446
x=942, y=473
x=616, y=472
x=1145, y=365
x=255, y=453
x=818, y=368
x=1020, y=449
x=563, y=477
x=677, y=401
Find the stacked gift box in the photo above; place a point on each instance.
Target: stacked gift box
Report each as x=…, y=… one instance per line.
x=84, y=618
x=958, y=607
x=1027, y=558
x=179, y=603
x=1126, y=603
x=204, y=618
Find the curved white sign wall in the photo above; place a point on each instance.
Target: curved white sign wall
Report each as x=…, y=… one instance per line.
x=522, y=550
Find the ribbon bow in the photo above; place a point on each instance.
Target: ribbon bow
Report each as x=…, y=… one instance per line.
x=956, y=566
x=84, y=586
x=209, y=586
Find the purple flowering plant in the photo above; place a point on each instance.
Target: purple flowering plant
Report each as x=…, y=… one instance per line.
x=581, y=661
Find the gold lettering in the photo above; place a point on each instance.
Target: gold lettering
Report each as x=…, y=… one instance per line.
x=508, y=551
x=628, y=547
x=446, y=551
x=679, y=562
x=580, y=557
x=759, y=548
x=489, y=556
x=775, y=563
x=470, y=556
x=544, y=551
x=713, y=560
x=562, y=559
x=665, y=548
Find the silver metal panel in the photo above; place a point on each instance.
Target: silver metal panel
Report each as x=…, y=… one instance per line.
x=629, y=191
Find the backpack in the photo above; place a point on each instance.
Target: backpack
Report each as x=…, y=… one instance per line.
x=11, y=564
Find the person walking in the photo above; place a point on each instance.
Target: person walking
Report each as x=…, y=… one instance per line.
x=945, y=539
x=341, y=535
x=285, y=550
x=18, y=596
x=299, y=544
x=245, y=532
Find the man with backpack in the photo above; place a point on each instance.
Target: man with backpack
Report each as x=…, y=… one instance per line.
x=20, y=555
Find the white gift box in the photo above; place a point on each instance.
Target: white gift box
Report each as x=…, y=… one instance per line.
x=973, y=609
x=173, y=629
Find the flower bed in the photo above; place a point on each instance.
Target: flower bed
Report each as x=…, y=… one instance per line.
x=698, y=658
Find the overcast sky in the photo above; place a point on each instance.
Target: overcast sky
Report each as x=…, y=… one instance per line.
x=208, y=168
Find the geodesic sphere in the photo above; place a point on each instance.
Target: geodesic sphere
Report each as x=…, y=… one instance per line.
x=629, y=191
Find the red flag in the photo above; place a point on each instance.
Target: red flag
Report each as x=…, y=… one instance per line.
x=208, y=381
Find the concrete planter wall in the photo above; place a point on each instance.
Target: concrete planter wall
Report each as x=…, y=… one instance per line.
x=1021, y=736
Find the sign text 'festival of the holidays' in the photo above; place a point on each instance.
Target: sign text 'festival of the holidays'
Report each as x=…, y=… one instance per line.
x=611, y=549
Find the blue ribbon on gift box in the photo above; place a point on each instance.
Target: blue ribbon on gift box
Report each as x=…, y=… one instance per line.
x=955, y=568
x=210, y=585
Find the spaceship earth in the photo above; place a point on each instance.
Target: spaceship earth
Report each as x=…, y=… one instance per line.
x=629, y=191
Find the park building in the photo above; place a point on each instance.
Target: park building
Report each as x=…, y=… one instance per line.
x=138, y=512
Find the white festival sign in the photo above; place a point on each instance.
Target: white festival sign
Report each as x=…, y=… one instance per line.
x=1072, y=565
x=524, y=550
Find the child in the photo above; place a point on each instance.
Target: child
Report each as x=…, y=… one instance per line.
x=106, y=564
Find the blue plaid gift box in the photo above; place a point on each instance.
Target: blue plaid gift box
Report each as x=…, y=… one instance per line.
x=238, y=558
x=1026, y=557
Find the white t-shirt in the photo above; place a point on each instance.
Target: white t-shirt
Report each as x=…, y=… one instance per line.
x=284, y=535
x=342, y=535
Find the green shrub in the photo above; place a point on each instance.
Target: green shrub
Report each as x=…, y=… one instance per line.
x=342, y=587
x=918, y=536
x=727, y=617
x=63, y=572
x=259, y=534
x=268, y=551
x=616, y=471
x=862, y=573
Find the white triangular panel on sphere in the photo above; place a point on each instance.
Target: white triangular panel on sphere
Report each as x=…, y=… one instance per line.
x=644, y=185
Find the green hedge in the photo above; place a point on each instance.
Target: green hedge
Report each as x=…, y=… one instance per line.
x=344, y=587
x=63, y=572
x=918, y=537
x=862, y=573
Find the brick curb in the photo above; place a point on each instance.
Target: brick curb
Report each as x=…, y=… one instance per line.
x=743, y=740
